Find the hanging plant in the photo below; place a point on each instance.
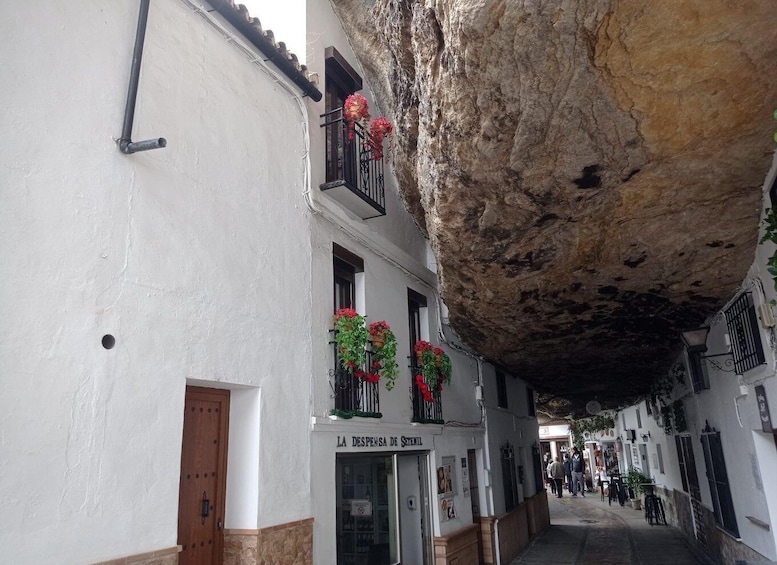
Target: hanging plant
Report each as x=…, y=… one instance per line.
x=356, y=111
x=678, y=411
x=384, y=348
x=770, y=234
x=578, y=428
x=380, y=129
x=351, y=337
x=666, y=415
x=435, y=366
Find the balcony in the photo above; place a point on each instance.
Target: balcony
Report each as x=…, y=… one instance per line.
x=354, y=177
x=425, y=412
x=353, y=395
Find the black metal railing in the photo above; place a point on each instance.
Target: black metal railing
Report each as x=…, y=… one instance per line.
x=745, y=334
x=424, y=412
x=354, y=395
x=352, y=162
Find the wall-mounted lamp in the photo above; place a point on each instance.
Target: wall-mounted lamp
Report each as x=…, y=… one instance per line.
x=646, y=436
x=695, y=342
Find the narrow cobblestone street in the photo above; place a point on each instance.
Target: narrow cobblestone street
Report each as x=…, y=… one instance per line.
x=585, y=530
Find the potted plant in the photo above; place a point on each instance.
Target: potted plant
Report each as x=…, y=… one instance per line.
x=351, y=337
x=635, y=480
x=356, y=111
x=435, y=367
x=384, y=348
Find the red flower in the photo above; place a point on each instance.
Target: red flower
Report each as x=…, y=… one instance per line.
x=438, y=351
x=378, y=328
x=422, y=346
x=380, y=128
x=376, y=365
x=346, y=313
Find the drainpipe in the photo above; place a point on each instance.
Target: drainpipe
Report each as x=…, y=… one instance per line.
x=497, y=551
x=126, y=145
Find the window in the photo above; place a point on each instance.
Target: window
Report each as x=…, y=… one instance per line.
x=415, y=303
x=341, y=81
x=698, y=371
x=745, y=335
x=346, y=265
x=509, y=478
x=660, y=456
x=423, y=412
x=530, y=399
x=639, y=419
x=501, y=390
x=718, y=479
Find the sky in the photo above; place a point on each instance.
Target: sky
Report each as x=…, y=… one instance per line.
x=286, y=19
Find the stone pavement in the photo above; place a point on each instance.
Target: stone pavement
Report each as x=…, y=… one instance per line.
x=587, y=531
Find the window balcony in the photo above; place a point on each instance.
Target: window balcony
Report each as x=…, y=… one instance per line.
x=354, y=176
x=354, y=395
x=425, y=412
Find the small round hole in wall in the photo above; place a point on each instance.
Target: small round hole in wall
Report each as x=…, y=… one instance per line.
x=109, y=341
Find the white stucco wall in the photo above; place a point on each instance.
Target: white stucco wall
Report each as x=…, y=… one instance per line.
x=195, y=257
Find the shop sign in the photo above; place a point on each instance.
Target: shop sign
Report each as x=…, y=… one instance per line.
x=379, y=442
x=763, y=409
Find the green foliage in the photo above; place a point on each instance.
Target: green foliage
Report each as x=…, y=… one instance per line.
x=386, y=355
x=678, y=411
x=351, y=337
x=666, y=415
x=663, y=386
x=770, y=234
x=446, y=368
x=348, y=414
x=429, y=368
x=591, y=425
x=635, y=479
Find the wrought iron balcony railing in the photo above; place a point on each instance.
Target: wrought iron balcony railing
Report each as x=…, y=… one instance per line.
x=354, y=176
x=424, y=412
x=354, y=395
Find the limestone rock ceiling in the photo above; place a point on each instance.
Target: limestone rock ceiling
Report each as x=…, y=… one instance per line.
x=588, y=171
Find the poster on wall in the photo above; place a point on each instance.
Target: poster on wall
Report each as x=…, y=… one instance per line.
x=445, y=477
x=447, y=509
x=464, y=477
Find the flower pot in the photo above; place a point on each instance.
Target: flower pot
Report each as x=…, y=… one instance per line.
x=636, y=503
x=378, y=341
x=419, y=357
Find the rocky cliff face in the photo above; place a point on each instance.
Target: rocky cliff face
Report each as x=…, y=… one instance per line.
x=588, y=171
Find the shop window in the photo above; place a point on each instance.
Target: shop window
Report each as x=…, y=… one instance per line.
x=501, y=390
x=717, y=476
x=509, y=477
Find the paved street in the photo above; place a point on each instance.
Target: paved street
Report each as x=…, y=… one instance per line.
x=587, y=531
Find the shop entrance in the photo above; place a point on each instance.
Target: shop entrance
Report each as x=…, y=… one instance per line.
x=383, y=510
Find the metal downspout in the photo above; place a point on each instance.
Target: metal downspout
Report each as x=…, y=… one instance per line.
x=126, y=145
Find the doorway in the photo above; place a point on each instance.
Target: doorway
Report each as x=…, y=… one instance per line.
x=383, y=509
x=201, y=501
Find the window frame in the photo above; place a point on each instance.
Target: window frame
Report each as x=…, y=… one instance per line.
x=501, y=390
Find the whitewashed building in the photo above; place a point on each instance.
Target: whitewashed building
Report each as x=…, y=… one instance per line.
x=171, y=390
x=709, y=444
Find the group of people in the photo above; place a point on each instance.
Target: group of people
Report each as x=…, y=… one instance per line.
x=573, y=469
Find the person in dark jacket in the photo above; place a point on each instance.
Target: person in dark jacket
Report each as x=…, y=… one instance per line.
x=578, y=472
x=568, y=471
x=556, y=471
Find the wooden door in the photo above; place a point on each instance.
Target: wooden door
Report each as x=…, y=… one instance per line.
x=203, y=476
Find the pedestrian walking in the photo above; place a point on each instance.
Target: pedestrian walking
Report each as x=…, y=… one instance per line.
x=578, y=470
x=550, y=478
x=568, y=471
x=556, y=470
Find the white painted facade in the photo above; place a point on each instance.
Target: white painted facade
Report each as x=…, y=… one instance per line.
x=210, y=262
x=729, y=406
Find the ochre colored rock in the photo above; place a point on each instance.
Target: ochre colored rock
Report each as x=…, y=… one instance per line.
x=588, y=172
